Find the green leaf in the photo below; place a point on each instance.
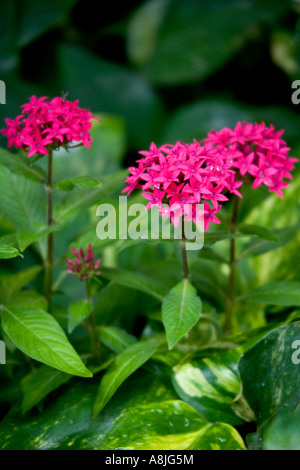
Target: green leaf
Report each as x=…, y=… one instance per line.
x=51, y=429
x=22, y=202
x=21, y=164
x=181, y=309
x=78, y=311
x=135, y=101
x=135, y=280
x=169, y=425
x=123, y=366
x=142, y=30
x=213, y=237
x=269, y=376
x=194, y=121
x=283, y=432
x=276, y=293
x=15, y=282
x=79, y=199
x=261, y=232
x=7, y=252
x=257, y=246
x=210, y=384
x=183, y=52
x=26, y=236
x=37, y=334
x=29, y=298
x=81, y=182
x=39, y=16
x=116, y=339
x=39, y=383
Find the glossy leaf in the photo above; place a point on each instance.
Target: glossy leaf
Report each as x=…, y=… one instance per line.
x=77, y=182
x=115, y=339
x=169, y=425
x=7, y=252
x=38, y=335
x=82, y=198
x=78, y=312
x=210, y=384
x=276, y=293
x=181, y=309
x=14, y=283
x=39, y=383
x=21, y=164
x=125, y=364
x=269, y=376
x=261, y=232
x=135, y=280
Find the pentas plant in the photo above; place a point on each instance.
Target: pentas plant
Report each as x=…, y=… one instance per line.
x=257, y=152
x=176, y=178
x=42, y=127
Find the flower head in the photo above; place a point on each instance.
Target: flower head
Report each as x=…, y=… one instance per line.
x=83, y=265
x=175, y=178
x=257, y=152
x=48, y=124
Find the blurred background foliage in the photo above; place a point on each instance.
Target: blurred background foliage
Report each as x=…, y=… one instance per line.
x=162, y=70
x=170, y=69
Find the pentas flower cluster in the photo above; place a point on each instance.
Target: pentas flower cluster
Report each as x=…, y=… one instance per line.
x=48, y=124
x=176, y=178
x=257, y=152
x=83, y=266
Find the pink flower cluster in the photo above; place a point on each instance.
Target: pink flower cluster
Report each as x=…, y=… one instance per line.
x=175, y=178
x=48, y=124
x=257, y=151
x=83, y=266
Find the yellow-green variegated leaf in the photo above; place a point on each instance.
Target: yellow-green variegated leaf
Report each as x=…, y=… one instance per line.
x=169, y=425
x=210, y=384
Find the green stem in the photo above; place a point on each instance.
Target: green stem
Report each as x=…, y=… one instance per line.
x=49, y=258
x=185, y=266
x=95, y=340
x=232, y=268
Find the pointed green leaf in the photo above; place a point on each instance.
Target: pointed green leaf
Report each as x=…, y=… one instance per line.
x=21, y=164
x=123, y=366
x=78, y=311
x=79, y=199
x=181, y=309
x=7, y=252
x=31, y=234
x=77, y=182
x=276, y=293
x=116, y=339
x=37, y=334
x=14, y=283
x=39, y=383
x=261, y=232
x=22, y=202
x=135, y=280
